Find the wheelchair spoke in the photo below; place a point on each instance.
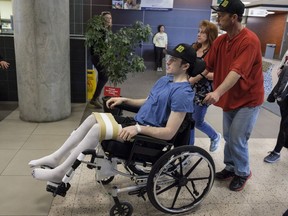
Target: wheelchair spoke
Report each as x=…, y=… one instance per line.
x=170, y=175
x=167, y=188
x=181, y=166
x=193, y=167
x=190, y=191
x=199, y=178
x=175, y=197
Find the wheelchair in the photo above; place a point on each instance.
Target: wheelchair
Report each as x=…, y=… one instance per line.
x=176, y=177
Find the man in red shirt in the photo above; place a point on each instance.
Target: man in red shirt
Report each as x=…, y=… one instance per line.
x=236, y=60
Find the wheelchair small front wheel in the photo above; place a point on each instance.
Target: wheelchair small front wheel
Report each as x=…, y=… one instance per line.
x=122, y=209
x=180, y=179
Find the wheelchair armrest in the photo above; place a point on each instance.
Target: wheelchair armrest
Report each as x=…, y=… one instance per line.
x=127, y=107
x=117, y=110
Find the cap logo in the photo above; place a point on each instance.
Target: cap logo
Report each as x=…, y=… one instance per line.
x=225, y=3
x=180, y=48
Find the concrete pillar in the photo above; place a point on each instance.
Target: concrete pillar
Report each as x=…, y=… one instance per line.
x=42, y=49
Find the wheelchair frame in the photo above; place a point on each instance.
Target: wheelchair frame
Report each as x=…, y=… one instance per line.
x=176, y=179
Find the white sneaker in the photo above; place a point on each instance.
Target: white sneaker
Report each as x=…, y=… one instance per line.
x=215, y=143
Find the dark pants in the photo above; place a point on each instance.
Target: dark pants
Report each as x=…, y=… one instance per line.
x=159, y=55
x=102, y=80
x=282, y=139
x=101, y=77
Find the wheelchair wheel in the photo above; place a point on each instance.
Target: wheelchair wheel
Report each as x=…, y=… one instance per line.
x=125, y=209
x=180, y=179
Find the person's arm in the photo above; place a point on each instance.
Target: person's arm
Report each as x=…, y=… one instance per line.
x=200, y=76
x=227, y=84
x=154, y=39
x=166, y=133
x=281, y=64
x=166, y=45
x=114, y=101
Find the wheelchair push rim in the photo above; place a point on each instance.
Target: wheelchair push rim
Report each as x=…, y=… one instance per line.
x=180, y=179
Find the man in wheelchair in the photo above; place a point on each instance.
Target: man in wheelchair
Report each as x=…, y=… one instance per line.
x=160, y=116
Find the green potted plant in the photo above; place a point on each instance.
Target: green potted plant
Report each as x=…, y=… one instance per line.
x=117, y=51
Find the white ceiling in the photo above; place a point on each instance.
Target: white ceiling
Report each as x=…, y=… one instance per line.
x=272, y=5
x=277, y=2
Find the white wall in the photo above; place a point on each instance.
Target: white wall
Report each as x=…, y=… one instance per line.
x=5, y=9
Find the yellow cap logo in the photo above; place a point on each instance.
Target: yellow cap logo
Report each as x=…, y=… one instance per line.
x=180, y=48
x=225, y=3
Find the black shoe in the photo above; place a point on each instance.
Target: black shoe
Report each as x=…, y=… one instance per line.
x=238, y=182
x=96, y=103
x=224, y=175
x=271, y=98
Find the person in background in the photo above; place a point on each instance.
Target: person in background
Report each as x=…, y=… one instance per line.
x=102, y=74
x=238, y=88
x=284, y=62
x=202, y=85
x=128, y=4
x=280, y=94
x=159, y=118
x=3, y=64
x=160, y=41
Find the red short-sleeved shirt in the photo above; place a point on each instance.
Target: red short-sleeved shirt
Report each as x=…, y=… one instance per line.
x=241, y=54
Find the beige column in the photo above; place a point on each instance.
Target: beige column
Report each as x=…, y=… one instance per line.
x=42, y=49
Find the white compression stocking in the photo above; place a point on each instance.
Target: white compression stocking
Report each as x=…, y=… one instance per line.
x=90, y=141
x=53, y=159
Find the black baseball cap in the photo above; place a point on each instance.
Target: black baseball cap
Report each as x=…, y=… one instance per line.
x=230, y=6
x=184, y=52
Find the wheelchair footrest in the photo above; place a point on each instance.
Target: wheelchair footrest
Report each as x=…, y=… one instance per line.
x=58, y=189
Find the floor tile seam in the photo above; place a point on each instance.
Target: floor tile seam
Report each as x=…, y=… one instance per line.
x=7, y=165
x=25, y=142
x=9, y=175
x=16, y=152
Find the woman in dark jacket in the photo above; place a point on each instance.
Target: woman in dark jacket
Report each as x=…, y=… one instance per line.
x=95, y=58
x=280, y=94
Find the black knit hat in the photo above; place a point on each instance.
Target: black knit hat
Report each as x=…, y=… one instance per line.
x=184, y=52
x=230, y=6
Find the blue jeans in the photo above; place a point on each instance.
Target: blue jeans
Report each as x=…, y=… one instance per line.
x=237, y=128
x=200, y=124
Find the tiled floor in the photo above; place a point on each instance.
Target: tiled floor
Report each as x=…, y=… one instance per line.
x=265, y=194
